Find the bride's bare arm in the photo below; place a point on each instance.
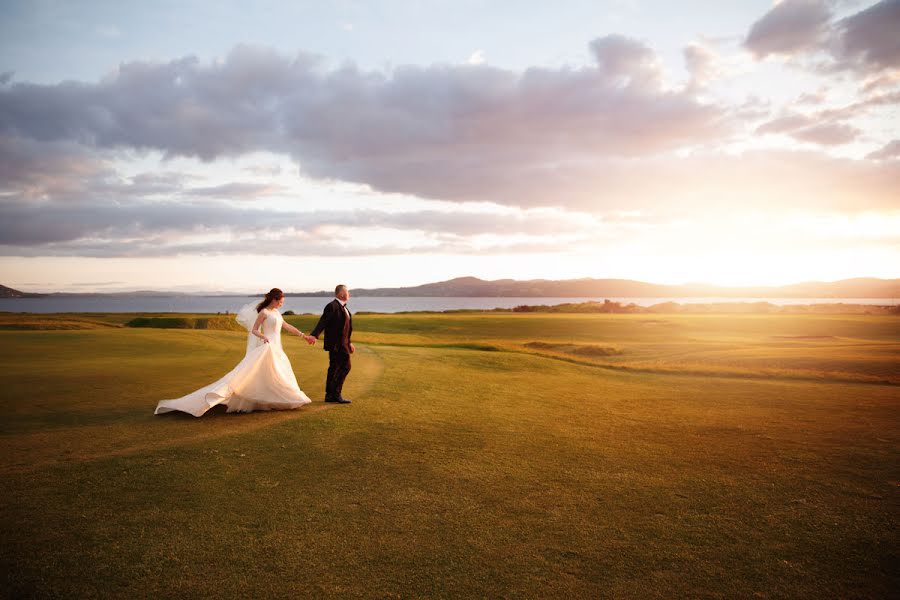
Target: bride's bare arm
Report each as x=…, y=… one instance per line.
x=255, y=331
x=298, y=333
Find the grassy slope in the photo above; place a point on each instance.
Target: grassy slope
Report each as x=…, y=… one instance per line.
x=831, y=347
x=456, y=472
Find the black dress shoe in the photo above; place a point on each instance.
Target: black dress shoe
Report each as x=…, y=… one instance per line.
x=339, y=400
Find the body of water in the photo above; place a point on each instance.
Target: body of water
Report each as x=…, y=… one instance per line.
x=214, y=304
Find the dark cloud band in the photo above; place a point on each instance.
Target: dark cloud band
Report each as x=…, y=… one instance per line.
x=414, y=130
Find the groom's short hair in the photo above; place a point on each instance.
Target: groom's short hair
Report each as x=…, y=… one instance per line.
x=339, y=289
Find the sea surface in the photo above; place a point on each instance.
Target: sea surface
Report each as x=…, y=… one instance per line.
x=222, y=304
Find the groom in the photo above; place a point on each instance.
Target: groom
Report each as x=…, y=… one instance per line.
x=337, y=324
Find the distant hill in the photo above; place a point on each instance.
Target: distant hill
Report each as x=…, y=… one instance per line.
x=863, y=287
x=8, y=292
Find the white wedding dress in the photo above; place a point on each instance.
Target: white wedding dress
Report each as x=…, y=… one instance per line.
x=263, y=380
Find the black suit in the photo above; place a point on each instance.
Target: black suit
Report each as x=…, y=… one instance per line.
x=337, y=323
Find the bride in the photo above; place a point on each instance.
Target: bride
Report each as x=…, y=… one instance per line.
x=263, y=380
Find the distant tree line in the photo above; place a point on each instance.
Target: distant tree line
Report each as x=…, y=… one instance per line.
x=609, y=306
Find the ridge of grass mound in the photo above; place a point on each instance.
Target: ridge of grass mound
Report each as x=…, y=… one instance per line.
x=575, y=349
x=51, y=323
x=218, y=323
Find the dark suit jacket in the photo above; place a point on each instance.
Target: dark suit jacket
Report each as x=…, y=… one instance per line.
x=332, y=323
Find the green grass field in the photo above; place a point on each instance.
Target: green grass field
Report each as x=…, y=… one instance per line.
x=484, y=456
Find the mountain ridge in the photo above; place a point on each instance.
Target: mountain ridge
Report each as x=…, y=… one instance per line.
x=858, y=287
x=8, y=292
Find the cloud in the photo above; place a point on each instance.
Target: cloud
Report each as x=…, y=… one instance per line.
x=788, y=27
x=865, y=43
x=179, y=107
x=707, y=182
x=156, y=183
x=817, y=97
x=701, y=63
x=264, y=170
x=237, y=190
x=410, y=130
x=85, y=208
x=826, y=126
x=33, y=169
x=64, y=172
x=888, y=79
x=132, y=227
x=827, y=134
x=620, y=58
x=624, y=202
x=807, y=129
x=476, y=58
x=888, y=151
x=786, y=124
x=594, y=141
x=869, y=40
x=862, y=107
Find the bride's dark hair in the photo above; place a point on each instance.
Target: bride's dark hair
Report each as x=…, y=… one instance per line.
x=274, y=294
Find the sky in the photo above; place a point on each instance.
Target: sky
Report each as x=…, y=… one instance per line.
x=228, y=146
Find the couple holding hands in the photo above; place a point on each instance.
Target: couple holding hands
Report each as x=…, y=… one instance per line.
x=264, y=379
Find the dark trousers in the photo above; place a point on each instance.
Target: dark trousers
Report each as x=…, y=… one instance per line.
x=338, y=368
